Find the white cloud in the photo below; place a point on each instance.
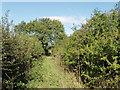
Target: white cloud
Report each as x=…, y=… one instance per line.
x=68, y=19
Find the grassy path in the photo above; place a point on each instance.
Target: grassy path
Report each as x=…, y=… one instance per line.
x=50, y=75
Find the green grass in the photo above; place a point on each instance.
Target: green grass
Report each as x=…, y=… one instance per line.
x=49, y=74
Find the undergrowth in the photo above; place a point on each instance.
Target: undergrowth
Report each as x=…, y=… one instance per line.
x=49, y=74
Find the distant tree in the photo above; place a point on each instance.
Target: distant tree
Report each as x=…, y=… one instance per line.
x=48, y=31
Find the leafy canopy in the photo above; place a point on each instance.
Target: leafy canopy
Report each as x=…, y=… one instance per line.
x=47, y=31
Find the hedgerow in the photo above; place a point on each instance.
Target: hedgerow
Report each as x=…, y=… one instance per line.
x=94, y=51
x=19, y=51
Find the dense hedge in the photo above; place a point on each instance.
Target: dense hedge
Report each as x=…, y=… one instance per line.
x=94, y=51
x=18, y=53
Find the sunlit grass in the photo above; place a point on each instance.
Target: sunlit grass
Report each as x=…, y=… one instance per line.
x=50, y=75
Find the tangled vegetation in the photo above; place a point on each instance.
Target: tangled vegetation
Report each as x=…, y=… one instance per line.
x=19, y=51
x=23, y=45
x=92, y=52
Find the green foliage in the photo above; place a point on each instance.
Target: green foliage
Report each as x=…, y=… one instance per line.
x=95, y=51
x=47, y=31
x=18, y=53
x=49, y=74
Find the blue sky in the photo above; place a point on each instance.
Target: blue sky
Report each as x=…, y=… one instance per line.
x=67, y=12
